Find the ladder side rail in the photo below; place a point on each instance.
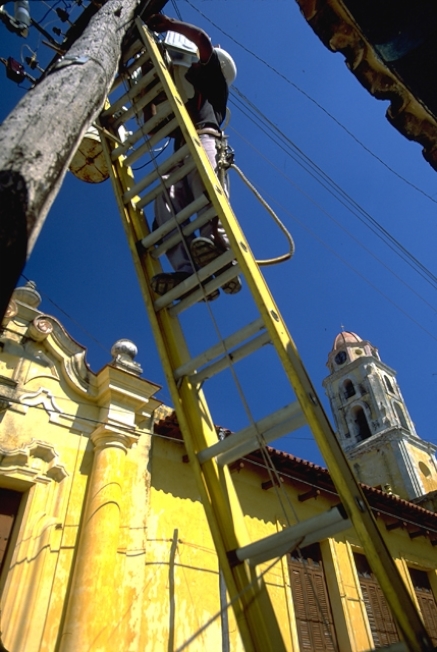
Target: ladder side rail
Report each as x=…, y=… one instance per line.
x=250, y=599
x=173, y=352
x=351, y=494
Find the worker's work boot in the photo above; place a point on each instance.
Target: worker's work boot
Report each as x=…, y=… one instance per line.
x=204, y=251
x=166, y=281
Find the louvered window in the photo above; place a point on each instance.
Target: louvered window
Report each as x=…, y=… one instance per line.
x=9, y=503
x=382, y=624
x=311, y=601
x=427, y=602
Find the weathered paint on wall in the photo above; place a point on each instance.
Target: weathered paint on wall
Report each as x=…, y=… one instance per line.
x=111, y=548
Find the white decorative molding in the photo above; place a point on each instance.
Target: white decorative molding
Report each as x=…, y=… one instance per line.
x=41, y=397
x=11, y=312
x=35, y=462
x=45, y=398
x=40, y=328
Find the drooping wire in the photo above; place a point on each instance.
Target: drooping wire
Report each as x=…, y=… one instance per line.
x=317, y=104
x=333, y=188
x=176, y=9
x=330, y=216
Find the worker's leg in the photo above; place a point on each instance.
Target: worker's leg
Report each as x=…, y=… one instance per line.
x=167, y=205
x=212, y=229
x=213, y=240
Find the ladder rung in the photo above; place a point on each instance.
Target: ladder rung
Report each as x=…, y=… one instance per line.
x=219, y=349
x=187, y=230
x=220, y=263
x=195, y=206
x=135, y=110
x=214, y=284
x=136, y=47
x=232, y=357
x=146, y=148
x=144, y=132
x=127, y=72
x=163, y=169
x=180, y=172
x=131, y=93
x=303, y=534
x=245, y=441
x=187, y=286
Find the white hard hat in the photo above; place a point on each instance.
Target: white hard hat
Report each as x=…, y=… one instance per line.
x=229, y=69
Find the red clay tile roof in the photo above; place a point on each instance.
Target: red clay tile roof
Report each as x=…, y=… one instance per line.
x=311, y=475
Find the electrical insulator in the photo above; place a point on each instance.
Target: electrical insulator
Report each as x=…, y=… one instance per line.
x=22, y=15
x=33, y=63
x=15, y=71
x=62, y=14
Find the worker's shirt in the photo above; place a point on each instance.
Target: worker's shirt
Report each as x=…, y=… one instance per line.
x=208, y=106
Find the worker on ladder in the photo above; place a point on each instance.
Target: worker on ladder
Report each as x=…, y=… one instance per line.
x=209, y=79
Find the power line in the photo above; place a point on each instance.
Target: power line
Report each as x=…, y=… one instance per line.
x=337, y=191
x=317, y=104
x=357, y=272
x=331, y=217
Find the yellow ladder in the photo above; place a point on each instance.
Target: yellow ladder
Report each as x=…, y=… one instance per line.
x=145, y=77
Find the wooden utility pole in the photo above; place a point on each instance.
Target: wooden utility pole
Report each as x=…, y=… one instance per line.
x=40, y=136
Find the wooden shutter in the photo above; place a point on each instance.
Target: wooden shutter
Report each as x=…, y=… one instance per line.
x=381, y=621
x=9, y=503
x=427, y=603
x=311, y=601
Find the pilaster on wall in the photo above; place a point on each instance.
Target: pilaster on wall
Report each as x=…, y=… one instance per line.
x=347, y=603
x=91, y=619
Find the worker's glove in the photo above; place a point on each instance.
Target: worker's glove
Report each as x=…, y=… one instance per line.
x=159, y=23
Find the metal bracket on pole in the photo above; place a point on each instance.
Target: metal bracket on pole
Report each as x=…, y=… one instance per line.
x=69, y=59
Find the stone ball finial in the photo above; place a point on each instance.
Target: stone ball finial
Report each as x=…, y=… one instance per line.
x=28, y=295
x=124, y=347
x=123, y=353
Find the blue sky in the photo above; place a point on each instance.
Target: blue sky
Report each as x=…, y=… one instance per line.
x=297, y=114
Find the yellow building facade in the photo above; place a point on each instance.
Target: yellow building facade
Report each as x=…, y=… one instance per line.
x=104, y=541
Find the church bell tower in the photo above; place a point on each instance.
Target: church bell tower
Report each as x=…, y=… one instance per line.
x=373, y=425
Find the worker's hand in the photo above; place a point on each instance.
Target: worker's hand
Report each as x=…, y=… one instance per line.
x=159, y=23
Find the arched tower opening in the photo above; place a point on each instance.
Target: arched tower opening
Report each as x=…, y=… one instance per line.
x=348, y=388
x=362, y=429
x=388, y=384
x=401, y=415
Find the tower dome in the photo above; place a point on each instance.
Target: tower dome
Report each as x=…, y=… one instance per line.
x=347, y=347
x=345, y=337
